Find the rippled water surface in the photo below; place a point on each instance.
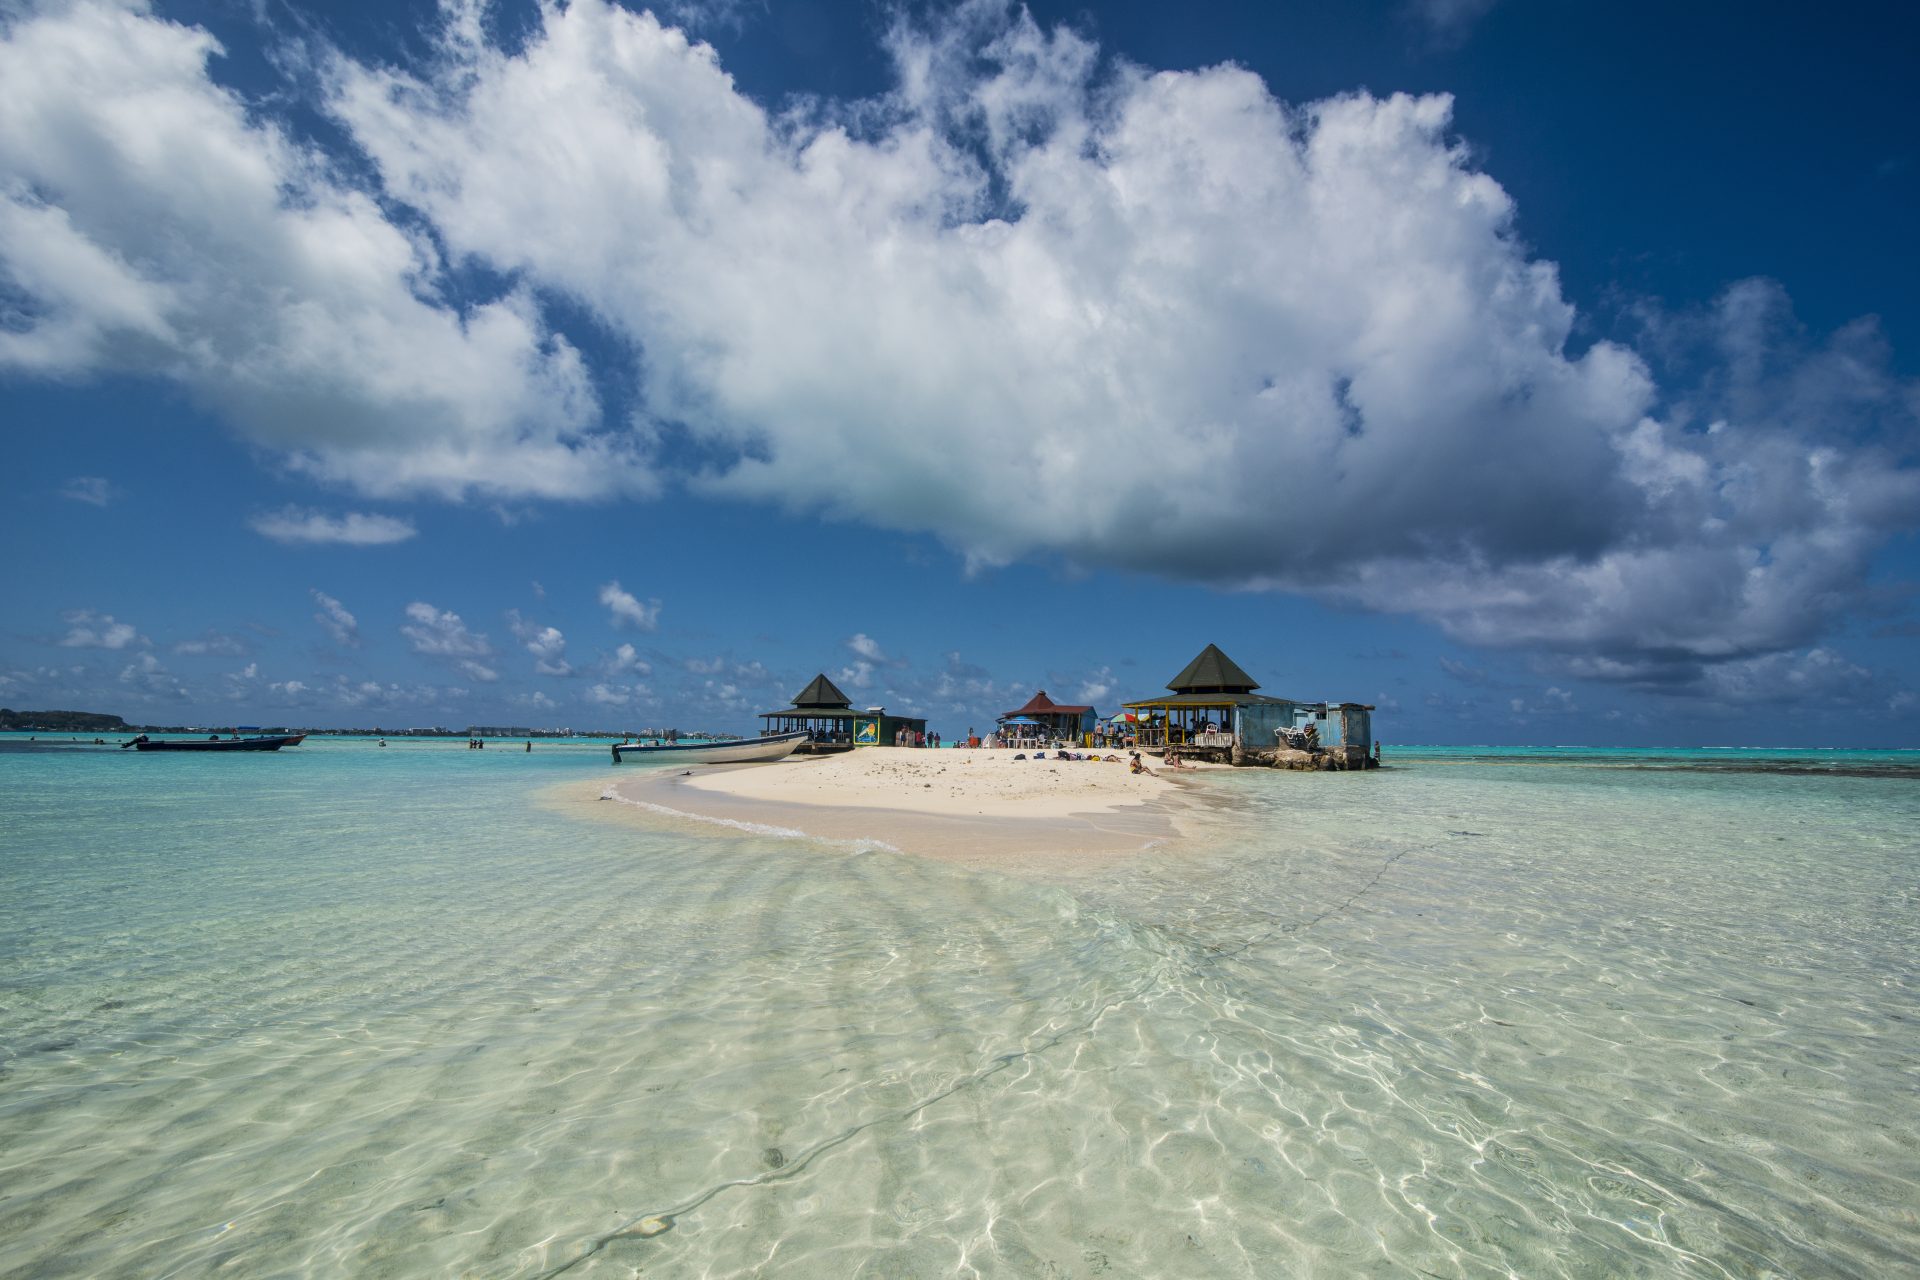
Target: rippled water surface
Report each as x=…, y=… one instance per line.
x=420, y=1011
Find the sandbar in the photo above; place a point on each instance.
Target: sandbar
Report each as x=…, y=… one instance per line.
x=983, y=806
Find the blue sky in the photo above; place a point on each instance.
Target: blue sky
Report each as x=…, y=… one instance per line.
x=1538, y=372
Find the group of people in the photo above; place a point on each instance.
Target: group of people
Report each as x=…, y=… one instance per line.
x=905, y=737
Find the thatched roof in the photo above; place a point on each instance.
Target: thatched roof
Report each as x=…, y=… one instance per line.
x=821, y=693
x=1212, y=672
x=1209, y=700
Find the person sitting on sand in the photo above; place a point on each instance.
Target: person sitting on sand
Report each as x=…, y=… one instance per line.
x=1137, y=766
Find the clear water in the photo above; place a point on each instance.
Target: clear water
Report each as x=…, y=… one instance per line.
x=420, y=1010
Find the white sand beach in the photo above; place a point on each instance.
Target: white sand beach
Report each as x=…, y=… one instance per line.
x=981, y=805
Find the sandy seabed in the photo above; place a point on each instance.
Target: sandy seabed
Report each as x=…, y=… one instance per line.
x=981, y=806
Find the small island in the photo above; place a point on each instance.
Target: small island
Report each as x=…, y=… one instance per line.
x=59, y=722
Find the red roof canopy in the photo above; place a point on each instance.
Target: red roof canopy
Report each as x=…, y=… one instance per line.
x=1041, y=705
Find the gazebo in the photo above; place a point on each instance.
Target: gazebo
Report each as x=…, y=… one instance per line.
x=831, y=722
x=1212, y=704
x=1045, y=718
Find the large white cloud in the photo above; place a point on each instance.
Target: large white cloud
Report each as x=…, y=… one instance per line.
x=1159, y=322
x=150, y=223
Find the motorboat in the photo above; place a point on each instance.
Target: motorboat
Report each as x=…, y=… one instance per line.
x=733, y=751
x=265, y=742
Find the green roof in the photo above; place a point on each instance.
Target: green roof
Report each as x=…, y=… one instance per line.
x=821, y=693
x=1213, y=672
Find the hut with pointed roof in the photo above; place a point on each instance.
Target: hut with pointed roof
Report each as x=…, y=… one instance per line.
x=831, y=722
x=1048, y=720
x=1211, y=707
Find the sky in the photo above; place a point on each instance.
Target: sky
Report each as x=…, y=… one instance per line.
x=1535, y=371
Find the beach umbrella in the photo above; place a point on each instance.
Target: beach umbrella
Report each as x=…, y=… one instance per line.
x=1123, y=717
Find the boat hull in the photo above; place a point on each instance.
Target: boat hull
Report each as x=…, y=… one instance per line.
x=742, y=751
x=273, y=743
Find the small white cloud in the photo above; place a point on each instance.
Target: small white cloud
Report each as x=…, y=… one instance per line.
x=212, y=642
x=1449, y=20
x=90, y=630
x=628, y=611
x=624, y=659
x=93, y=490
x=441, y=633
x=1096, y=687
x=615, y=695
x=478, y=671
x=547, y=644
x=337, y=622
x=147, y=675
x=299, y=527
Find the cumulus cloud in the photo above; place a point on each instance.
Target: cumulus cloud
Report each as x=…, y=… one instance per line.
x=628, y=611
x=1094, y=689
x=354, y=529
x=156, y=224
x=869, y=653
x=1235, y=341
x=335, y=620
x=624, y=659
x=89, y=630
x=441, y=634
x=961, y=685
x=149, y=678
x=548, y=645
x=1552, y=701
x=95, y=491
x=615, y=694
x=242, y=684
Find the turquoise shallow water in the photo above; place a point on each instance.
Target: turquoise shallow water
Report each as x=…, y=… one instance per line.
x=415, y=1011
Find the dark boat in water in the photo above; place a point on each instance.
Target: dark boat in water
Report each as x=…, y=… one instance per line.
x=266, y=742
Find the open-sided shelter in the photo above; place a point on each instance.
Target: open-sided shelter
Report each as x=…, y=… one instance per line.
x=1053, y=719
x=831, y=722
x=1212, y=704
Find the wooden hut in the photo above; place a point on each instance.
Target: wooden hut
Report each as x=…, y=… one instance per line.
x=832, y=723
x=1049, y=720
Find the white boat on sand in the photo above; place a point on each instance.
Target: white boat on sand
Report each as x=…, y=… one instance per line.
x=736, y=751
